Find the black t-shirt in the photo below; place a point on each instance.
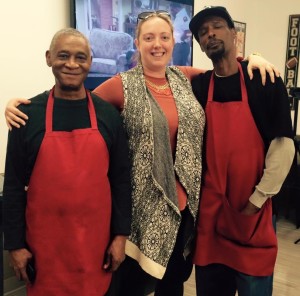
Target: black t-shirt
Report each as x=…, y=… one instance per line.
x=23, y=146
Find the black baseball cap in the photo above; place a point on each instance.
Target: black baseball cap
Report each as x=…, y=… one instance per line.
x=199, y=18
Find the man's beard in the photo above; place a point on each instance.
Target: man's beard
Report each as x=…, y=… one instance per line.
x=217, y=55
x=70, y=87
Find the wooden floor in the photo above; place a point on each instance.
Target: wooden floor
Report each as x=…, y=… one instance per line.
x=287, y=270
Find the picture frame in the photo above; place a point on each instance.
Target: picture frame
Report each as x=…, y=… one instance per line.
x=240, y=28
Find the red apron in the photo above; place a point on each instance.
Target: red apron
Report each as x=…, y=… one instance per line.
x=68, y=211
x=235, y=160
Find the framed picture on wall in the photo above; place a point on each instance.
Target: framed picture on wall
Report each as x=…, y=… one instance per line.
x=241, y=38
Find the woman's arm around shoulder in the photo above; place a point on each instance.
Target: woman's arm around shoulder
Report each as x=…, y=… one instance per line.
x=13, y=116
x=111, y=91
x=191, y=72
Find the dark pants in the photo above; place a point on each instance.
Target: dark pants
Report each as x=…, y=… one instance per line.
x=221, y=280
x=181, y=53
x=131, y=280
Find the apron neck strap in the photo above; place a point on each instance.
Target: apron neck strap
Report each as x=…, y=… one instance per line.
x=49, y=111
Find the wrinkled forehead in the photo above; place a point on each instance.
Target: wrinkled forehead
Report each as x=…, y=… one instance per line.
x=65, y=41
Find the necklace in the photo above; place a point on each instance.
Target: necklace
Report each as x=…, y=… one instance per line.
x=219, y=75
x=158, y=87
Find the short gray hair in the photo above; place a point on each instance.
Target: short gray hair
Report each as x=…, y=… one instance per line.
x=68, y=32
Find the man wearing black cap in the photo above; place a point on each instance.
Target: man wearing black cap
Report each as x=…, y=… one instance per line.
x=248, y=153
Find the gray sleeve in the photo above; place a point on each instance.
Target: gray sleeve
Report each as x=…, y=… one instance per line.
x=278, y=162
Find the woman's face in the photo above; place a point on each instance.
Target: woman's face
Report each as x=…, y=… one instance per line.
x=155, y=43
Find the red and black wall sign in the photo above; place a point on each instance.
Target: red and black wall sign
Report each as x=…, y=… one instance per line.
x=292, y=53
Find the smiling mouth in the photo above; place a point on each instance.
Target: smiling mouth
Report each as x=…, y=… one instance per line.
x=71, y=74
x=158, y=54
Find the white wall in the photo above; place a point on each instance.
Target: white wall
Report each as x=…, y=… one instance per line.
x=26, y=31
x=28, y=26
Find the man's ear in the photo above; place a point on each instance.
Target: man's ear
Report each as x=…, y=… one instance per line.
x=48, y=58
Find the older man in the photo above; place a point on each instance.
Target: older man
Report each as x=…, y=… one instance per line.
x=67, y=198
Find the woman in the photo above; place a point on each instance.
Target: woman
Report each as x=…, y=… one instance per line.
x=165, y=124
